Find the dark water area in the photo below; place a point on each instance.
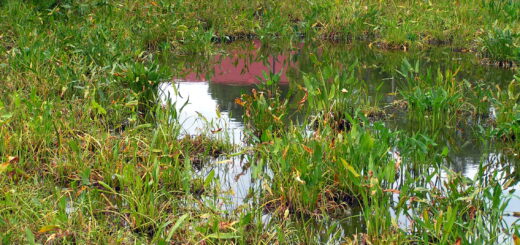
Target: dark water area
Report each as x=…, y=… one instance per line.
x=213, y=83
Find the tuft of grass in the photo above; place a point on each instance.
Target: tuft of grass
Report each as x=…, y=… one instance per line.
x=507, y=114
x=502, y=45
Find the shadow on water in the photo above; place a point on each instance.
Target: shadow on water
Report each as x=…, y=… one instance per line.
x=208, y=84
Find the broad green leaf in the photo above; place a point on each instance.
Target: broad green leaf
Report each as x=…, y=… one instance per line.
x=30, y=237
x=98, y=107
x=445, y=151
x=208, y=179
x=107, y=186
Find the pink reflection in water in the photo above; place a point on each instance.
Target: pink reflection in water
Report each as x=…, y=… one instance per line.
x=243, y=67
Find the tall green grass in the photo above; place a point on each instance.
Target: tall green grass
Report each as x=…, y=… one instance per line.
x=88, y=156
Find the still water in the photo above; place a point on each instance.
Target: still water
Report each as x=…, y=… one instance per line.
x=209, y=86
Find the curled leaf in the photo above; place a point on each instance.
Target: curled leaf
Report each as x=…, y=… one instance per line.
x=239, y=102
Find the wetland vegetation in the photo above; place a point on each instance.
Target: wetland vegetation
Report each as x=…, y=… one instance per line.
x=259, y=122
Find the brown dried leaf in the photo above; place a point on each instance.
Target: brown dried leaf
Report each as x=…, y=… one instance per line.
x=392, y=190
x=307, y=149
x=459, y=241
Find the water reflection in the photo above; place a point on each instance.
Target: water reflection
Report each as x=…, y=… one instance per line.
x=243, y=66
x=200, y=112
x=223, y=78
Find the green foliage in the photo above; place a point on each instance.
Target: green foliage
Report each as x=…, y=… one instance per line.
x=455, y=209
x=507, y=114
x=311, y=174
x=502, y=45
x=266, y=110
x=503, y=9
x=81, y=163
x=143, y=80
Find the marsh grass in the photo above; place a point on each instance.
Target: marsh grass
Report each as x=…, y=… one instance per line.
x=266, y=109
x=143, y=80
x=88, y=156
x=502, y=45
x=437, y=100
x=507, y=114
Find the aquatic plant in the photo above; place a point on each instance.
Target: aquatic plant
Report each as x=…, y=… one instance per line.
x=437, y=100
x=88, y=156
x=324, y=171
x=143, y=80
x=502, y=45
x=507, y=114
x=457, y=209
x=265, y=109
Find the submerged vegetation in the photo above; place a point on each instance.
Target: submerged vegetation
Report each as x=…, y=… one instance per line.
x=91, y=153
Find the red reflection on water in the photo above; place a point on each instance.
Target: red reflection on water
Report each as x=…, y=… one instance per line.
x=243, y=67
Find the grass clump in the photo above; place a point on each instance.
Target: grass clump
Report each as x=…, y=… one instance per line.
x=436, y=100
x=326, y=171
x=507, y=114
x=143, y=80
x=502, y=46
x=266, y=110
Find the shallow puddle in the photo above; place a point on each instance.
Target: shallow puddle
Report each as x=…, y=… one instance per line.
x=210, y=93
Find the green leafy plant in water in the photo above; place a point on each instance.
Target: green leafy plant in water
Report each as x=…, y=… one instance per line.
x=434, y=105
x=328, y=170
x=434, y=100
x=508, y=113
x=265, y=109
x=502, y=45
x=143, y=79
x=456, y=209
x=332, y=96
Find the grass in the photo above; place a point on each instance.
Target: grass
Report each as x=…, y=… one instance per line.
x=330, y=169
x=400, y=24
x=508, y=114
x=87, y=155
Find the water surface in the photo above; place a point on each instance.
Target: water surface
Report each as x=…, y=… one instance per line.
x=212, y=84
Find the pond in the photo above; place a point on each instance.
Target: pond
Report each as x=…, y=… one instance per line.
x=209, y=86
